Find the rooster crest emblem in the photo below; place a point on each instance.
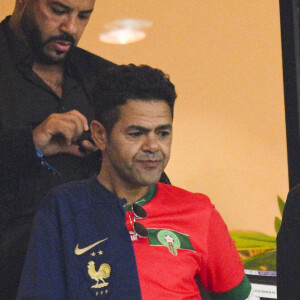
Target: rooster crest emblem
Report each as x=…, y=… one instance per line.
x=100, y=275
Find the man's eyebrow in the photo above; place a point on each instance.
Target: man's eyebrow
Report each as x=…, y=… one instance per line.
x=61, y=5
x=88, y=11
x=164, y=127
x=145, y=129
x=139, y=128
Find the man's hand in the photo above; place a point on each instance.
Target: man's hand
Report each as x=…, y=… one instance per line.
x=58, y=131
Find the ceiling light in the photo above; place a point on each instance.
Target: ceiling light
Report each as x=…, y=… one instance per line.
x=128, y=23
x=124, y=31
x=122, y=36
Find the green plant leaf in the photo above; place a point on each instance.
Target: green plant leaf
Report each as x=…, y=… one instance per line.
x=280, y=205
x=263, y=260
x=277, y=224
x=253, y=241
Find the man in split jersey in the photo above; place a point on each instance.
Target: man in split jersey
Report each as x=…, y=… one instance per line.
x=87, y=233
x=46, y=103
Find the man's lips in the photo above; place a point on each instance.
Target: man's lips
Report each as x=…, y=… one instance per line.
x=61, y=46
x=150, y=163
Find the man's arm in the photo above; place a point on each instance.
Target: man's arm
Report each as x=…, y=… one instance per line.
x=223, y=272
x=288, y=249
x=17, y=153
x=43, y=272
x=56, y=134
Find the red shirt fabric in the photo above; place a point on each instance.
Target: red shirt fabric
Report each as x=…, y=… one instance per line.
x=187, y=238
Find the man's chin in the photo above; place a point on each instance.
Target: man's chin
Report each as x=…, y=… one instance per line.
x=53, y=59
x=146, y=180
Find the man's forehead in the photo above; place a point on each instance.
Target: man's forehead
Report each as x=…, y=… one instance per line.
x=145, y=109
x=78, y=4
x=145, y=114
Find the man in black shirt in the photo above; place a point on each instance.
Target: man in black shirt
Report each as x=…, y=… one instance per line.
x=288, y=249
x=46, y=104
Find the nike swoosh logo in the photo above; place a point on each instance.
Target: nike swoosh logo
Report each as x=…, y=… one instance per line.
x=83, y=250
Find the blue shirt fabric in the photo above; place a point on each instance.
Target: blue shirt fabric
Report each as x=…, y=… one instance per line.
x=86, y=216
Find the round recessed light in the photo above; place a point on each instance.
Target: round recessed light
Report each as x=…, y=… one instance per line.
x=128, y=23
x=122, y=36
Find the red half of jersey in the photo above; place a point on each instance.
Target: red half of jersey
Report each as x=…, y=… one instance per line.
x=187, y=239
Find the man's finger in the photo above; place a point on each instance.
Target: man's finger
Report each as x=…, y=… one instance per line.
x=73, y=150
x=81, y=117
x=59, y=130
x=89, y=146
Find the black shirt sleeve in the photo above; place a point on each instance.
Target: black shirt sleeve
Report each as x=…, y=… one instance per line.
x=288, y=249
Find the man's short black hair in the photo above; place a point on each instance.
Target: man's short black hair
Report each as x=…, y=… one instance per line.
x=130, y=82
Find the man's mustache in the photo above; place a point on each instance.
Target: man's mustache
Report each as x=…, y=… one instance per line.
x=150, y=156
x=63, y=37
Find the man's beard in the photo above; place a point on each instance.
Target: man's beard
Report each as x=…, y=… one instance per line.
x=34, y=39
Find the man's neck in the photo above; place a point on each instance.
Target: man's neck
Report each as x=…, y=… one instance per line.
x=15, y=25
x=52, y=75
x=130, y=193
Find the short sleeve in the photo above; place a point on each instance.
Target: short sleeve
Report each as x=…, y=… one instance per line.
x=222, y=272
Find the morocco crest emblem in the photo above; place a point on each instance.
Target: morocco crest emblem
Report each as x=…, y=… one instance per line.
x=170, y=240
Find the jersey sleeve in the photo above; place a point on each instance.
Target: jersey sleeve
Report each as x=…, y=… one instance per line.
x=43, y=273
x=222, y=273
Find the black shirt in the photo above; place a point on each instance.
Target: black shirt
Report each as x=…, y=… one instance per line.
x=25, y=101
x=37, y=101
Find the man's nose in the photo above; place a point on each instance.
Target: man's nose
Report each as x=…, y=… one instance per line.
x=69, y=25
x=151, y=143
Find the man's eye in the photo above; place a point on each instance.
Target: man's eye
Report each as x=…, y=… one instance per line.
x=83, y=16
x=58, y=11
x=135, y=134
x=164, y=133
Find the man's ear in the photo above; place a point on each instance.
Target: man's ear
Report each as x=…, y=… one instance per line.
x=99, y=134
x=21, y=2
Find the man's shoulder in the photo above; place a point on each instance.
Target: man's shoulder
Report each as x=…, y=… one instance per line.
x=295, y=190
x=72, y=186
x=2, y=22
x=2, y=36
x=177, y=192
x=90, y=60
x=293, y=201
x=69, y=196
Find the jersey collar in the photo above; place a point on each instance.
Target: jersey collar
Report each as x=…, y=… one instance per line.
x=146, y=198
